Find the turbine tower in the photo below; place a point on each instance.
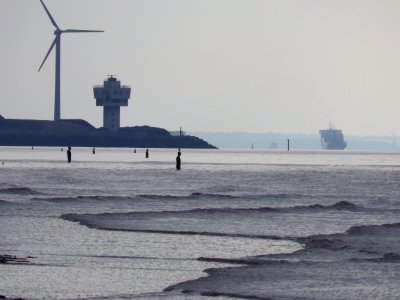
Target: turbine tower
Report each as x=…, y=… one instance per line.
x=57, y=43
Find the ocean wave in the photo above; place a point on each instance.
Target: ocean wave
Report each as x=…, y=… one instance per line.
x=325, y=243
x=196, y=195
x=385, y=258
x=19, y=191
x=198, y=221
x=91, y=220
x=238, y=261
x=193, y=195
x=372, y=229
x=281, y=196
x=341, y=205
x=391, y=257
x=3, y=202
x=385, y=236
x=81, y=198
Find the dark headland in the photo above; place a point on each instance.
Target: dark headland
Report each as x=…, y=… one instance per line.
x=79, y=133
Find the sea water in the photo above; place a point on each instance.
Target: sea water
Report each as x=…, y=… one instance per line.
x=115, y=225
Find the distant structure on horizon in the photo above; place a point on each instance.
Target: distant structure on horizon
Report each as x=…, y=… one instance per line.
x=332, y=139
x=111, y=95
x=178, y=133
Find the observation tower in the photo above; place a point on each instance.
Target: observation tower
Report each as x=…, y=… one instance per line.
x=111, y=96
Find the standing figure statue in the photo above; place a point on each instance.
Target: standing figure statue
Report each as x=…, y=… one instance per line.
x=69, y=154
x=178, y=161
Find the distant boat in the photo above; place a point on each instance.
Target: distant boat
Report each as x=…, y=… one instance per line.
x=332, y=139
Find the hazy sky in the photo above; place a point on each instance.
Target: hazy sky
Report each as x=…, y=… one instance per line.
x=210, y=65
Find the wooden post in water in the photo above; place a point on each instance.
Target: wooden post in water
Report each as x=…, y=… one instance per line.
x=288, y=145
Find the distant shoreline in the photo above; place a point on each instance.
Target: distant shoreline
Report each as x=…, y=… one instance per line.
x=298, y=141
x=79, y=133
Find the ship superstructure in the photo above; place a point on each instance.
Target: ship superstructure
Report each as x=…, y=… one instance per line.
x=332, y=139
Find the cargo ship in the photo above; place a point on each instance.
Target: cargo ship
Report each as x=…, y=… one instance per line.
x=332, y=139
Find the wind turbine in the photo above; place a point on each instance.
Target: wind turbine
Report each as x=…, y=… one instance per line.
x=57, y=43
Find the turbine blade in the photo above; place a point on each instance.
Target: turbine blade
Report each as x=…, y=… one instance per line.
x=48, y=52
x=50, y=16
x=80, y=30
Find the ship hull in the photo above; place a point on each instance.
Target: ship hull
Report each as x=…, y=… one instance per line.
x=332, y=139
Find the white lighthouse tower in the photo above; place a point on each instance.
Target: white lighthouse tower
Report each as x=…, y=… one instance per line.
x=111, y=96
